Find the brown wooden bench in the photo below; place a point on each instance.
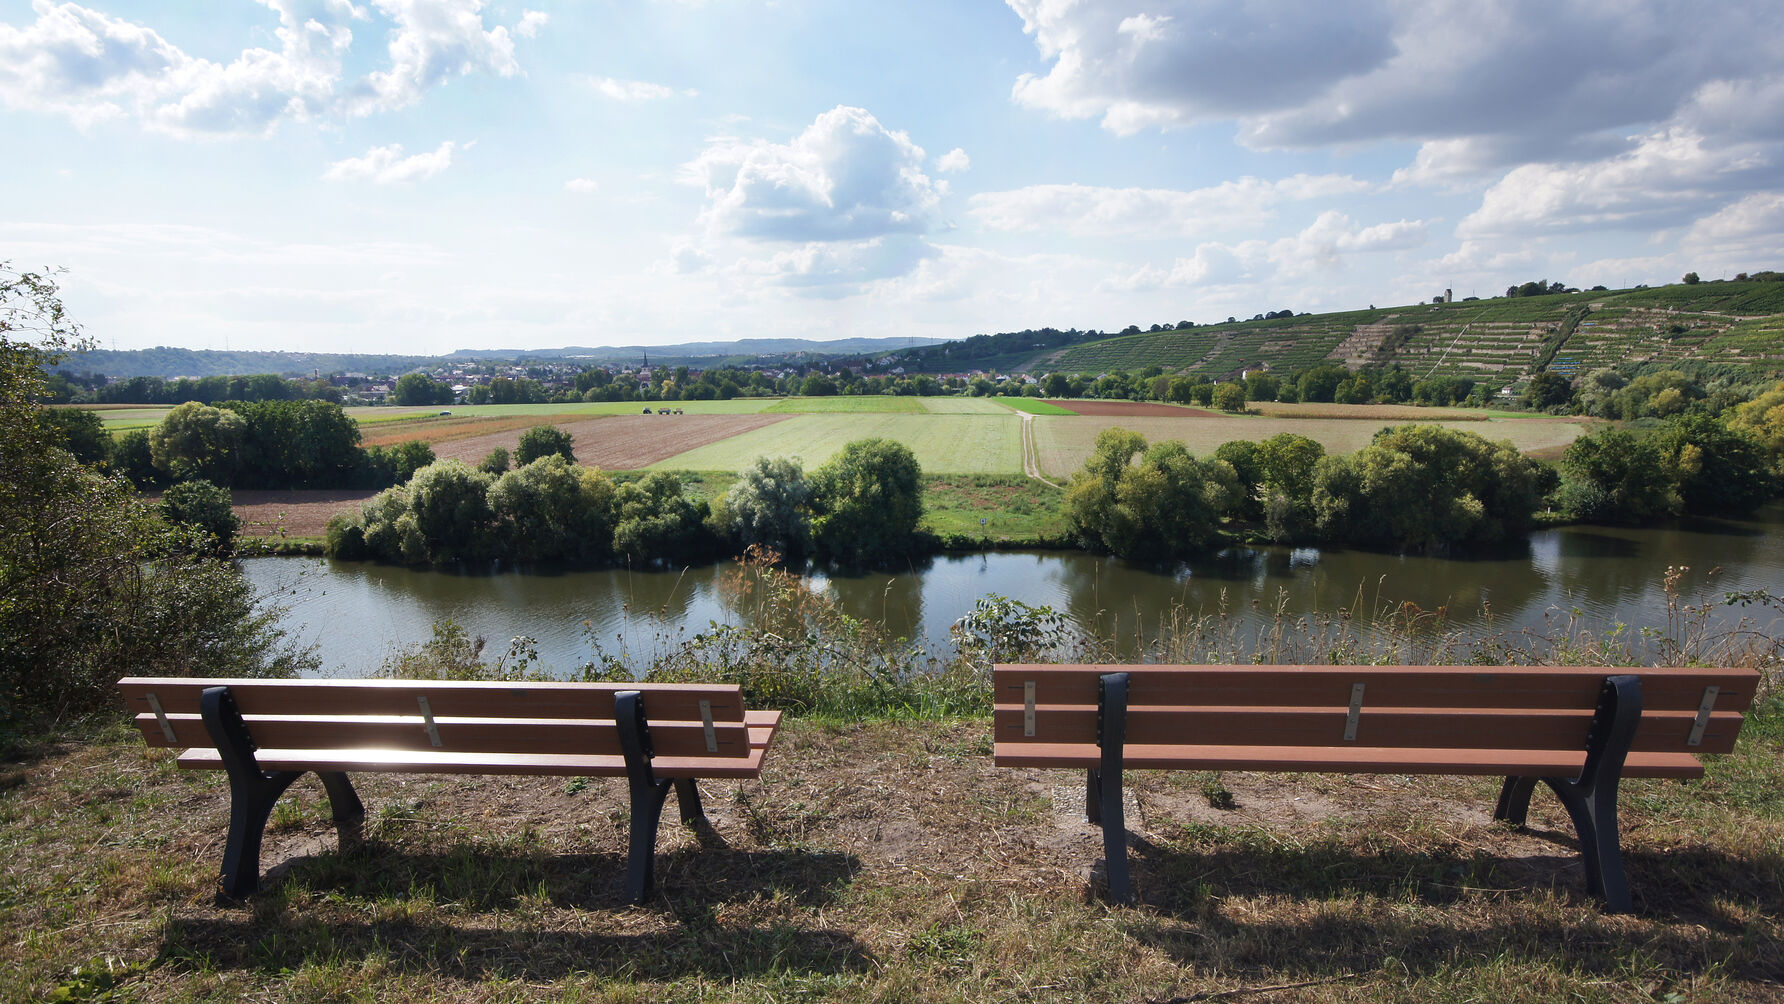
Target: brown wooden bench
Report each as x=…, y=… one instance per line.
x=266, y=733
x=1577, y=730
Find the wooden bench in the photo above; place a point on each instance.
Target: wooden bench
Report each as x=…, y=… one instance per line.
x=266, y=733
x=1577, y=730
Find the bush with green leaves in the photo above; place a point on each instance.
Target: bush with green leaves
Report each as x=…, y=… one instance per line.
x=92, y=582
x=866, y=503
x=768, y=506
x=656, y=523
x=496, y=462
x=1721, y=470
x=1154, y=503
x=204, y=507
x=1286, y=462
x=543, y=441
x=551, y=509
x=198, y=441
x=1425, y=486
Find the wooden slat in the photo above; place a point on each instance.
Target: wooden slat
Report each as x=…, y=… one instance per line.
x=1527, y=728
x=1677, y=689
x=463, y=735
x=450, y=698
x=423, y=762
x=1347, y=760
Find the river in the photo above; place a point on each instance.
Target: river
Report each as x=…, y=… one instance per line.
x=358, y=614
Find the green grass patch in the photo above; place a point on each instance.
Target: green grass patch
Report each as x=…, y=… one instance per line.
x=1035, y=406
x=873, y=404
x=999, y=508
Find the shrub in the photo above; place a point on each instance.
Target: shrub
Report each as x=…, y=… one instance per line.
x=867, y=501
x=1423, y=486
x=543, y=441
x=769, y=506
x=553, y=510
x=205, y=507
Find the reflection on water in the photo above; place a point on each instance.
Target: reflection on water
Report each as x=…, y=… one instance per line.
x=359, y=613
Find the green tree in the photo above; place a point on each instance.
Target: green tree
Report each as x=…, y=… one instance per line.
x=866, y=502
x=1262, y=386
x=768, y=506
x=544, y=441
x=198, y=441
x=1614, y=476
x=1286, y=462
x=420, y=389
x=656, y=523
x=1246, y=459
x=1691, y=279
x=551, y=509
x=297, y=444
x=1230, y=397
x=1721, y=471
x=1146, y=503
x=1425, y=486
x=204, y=507
x=91, y=584
x=80, y=432
x=496, y=462
x=1547, y=390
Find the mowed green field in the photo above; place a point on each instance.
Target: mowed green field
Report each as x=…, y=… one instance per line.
x=943, y=444
x=1065, y=443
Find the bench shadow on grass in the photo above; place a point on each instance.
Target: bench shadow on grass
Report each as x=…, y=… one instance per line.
x=477, y=912
x=1695, y=908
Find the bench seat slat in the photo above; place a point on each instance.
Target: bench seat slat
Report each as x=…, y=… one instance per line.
x=1487, y=728
x=1335, y=759
x=1677, y=689
x=434, y=762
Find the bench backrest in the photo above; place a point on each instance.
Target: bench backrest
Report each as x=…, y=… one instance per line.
x=686, y=720
x=1458, y=707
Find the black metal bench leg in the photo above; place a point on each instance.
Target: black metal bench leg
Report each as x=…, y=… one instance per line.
x=343, y=802
x=1514, y=800
x=648, y=793
x=1591, y=799
x=1106, y=782
x=688, y=798
x=252, y=792
x=1093, y=796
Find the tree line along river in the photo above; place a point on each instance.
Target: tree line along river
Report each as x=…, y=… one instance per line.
x=359, y=613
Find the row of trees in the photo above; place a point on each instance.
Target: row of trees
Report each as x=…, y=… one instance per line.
x=61, y=388
x=1412, y=487
x=861, y=508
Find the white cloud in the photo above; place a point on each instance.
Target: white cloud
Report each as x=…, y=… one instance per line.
x=635, y=90
x=531, y=21
x=953, y=161
x=1666, y=180
x=582, y=185
x=90, y=66
x=1322, y=245
x=385, y=165
x=1084, y=210
x=845, y=177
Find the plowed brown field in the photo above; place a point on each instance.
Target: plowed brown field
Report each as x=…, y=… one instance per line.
x=620, y=442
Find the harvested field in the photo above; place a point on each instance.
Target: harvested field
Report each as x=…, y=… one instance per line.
x=620, y=442
x=1316, y=409
x=435, y=428
x=943, y=444
x=293, y=513
x=1124, y=409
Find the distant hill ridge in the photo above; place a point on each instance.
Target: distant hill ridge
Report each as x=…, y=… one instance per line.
x=167, y=361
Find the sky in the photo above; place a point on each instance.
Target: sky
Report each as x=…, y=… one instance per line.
x=420, y=176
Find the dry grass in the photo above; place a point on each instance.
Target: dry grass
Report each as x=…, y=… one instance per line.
x=885, y=862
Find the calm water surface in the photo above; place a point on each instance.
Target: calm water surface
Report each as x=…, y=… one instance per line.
x=358, y=614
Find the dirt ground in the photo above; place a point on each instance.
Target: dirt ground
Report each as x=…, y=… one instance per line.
x=621, y=442
x=1126, y=408
x=293, y=513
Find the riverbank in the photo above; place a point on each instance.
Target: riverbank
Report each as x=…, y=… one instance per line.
x=888, y=862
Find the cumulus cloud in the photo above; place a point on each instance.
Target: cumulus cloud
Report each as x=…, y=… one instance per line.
x=953, y=161
x=1666, y=180
x=386, y=165
x=582, y=186
x=90, y=66
x=845, y=177
x=634, y=90
x=1085, y=210
x=531, y=22
x=1323, y=244
x=1174, y=62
